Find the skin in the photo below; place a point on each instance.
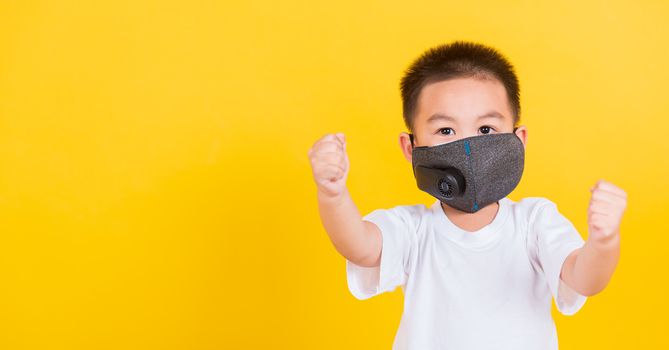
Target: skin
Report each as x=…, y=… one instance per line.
x=473, y=106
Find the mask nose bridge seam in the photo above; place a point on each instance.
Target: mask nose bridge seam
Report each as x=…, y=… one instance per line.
x=471, y=170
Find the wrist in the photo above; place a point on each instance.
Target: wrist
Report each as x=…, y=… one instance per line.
x=329, y=198
x=606, y=243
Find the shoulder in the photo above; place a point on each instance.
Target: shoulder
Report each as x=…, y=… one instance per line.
x=405, y=214
x=531, y=206
x=407, y=211
x=532, y=211
x=540, y=214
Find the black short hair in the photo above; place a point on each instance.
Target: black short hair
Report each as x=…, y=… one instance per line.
x=457, y=60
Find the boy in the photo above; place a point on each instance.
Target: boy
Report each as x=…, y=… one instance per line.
x=478, y=270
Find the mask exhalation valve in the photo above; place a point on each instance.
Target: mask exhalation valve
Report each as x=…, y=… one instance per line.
x=448, y=182
x=451, y=184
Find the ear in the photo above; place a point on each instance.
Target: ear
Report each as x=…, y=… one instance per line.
x=521, y=132
x=405, y=145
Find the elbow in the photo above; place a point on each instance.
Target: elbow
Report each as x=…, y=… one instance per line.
x=365, y=260
x=368, y=252
x=591, y=290
x=589, y=293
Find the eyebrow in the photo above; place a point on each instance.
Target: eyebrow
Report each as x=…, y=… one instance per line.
x=438, y=116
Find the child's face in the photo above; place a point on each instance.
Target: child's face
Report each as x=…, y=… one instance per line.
x=457, y=108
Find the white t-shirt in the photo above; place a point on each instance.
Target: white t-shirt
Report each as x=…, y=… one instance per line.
x=487, y=289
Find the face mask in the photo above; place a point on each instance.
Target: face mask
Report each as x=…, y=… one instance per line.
x=472, y=172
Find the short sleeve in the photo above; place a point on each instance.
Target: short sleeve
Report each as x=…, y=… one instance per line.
x=556, y=237
x=397, y=226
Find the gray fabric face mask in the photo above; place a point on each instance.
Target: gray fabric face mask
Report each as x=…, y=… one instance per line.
x=470, y=173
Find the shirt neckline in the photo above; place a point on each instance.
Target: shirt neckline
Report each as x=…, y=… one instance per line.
x=479, y=239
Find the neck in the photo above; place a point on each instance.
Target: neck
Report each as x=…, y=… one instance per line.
x=472, y=221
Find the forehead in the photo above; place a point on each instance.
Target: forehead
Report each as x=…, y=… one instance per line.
x=463, y=100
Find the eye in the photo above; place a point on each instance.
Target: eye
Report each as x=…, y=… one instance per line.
x=446, y=131
x=485, y=129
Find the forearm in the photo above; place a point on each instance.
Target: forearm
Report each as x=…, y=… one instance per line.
x=594, y=265
x=345, y=227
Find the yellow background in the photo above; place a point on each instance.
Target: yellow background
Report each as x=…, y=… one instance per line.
x=155, y=190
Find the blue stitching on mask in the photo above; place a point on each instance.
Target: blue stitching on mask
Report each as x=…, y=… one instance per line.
x=469, y=159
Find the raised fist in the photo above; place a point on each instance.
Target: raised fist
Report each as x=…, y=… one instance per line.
x=329, y=164
x=607, y=205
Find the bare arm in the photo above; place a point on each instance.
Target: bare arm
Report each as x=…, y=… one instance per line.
x=357, y=240
x=588, y=269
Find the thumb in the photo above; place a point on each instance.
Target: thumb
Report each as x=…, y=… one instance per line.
x=341, y=137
